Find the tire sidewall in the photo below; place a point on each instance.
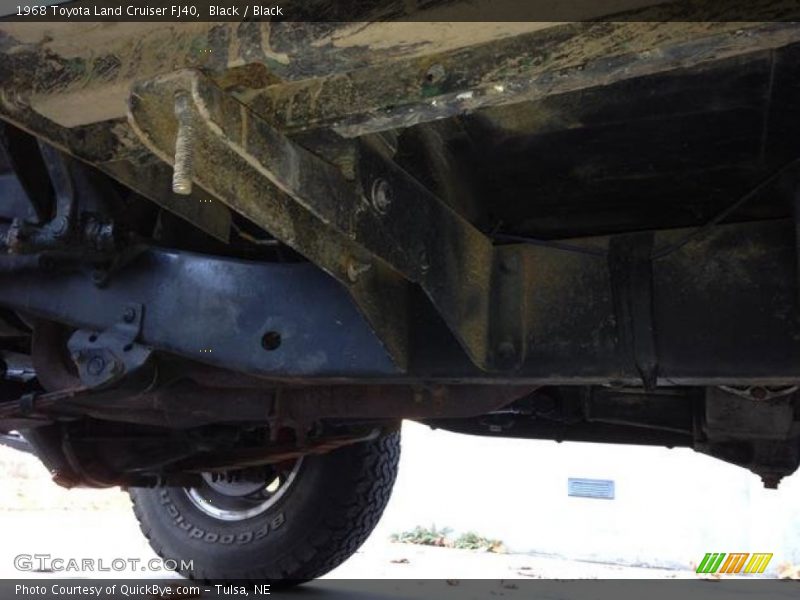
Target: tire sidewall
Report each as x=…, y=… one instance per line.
x=263, y=546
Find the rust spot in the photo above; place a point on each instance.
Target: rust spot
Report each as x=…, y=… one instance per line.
x=247, y=77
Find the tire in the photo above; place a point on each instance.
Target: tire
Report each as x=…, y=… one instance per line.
x=331, y=506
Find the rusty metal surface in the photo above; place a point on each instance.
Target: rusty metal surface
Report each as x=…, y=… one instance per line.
x=303, y=76
x=355, y=234
x=80, y=73
x=388, y=222
x=152, y=180
x=518, y=69
x=114, y=149
x=187, y=404
x=355, y=77
x=265, y=455
x=229, y=171
x=195, y=405
x=69, y=82
x=414, y=402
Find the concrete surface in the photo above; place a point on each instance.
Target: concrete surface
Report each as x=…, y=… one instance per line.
x=110, y=534
x=671, y=507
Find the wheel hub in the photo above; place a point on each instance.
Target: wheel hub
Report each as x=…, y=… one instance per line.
x=232, y=488
x=229, y=498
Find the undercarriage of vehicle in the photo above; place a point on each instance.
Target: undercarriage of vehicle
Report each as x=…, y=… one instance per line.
x=266, y=245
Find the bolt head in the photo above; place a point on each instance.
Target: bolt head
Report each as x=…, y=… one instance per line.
x=96, y=365
x=381, y=195
x=129, y=315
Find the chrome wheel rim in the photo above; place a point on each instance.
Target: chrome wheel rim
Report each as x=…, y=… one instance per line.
x=240, y=500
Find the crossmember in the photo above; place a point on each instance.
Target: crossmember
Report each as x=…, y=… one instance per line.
x=373, y=233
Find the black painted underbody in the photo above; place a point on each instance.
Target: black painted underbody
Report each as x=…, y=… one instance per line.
x=649, y=319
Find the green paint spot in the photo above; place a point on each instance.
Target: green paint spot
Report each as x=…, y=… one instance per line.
x=274, y=65
x=429, y=91
x=76, y=67
x=198, y=46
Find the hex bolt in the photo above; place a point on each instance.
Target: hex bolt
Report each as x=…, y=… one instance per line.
x=183, y=168
x=129, y=315
x=381, y=195
x=96, y=366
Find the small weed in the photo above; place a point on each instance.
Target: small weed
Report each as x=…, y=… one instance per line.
x=423, y=536
x=441, y=537
x=473, y=541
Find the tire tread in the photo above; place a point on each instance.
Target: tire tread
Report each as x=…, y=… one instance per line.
x=349, y=518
